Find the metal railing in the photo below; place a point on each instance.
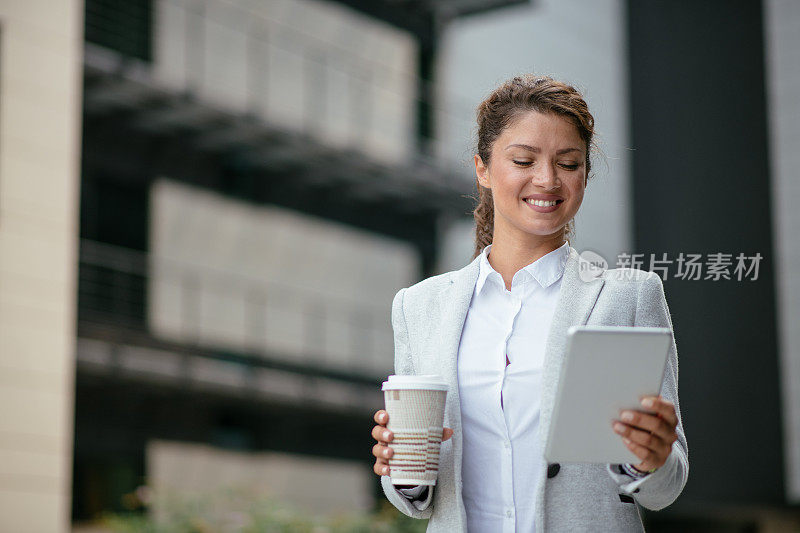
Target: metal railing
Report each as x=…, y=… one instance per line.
x=119, y=286
x=318, y=60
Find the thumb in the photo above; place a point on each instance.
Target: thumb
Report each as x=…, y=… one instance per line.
x=446, y=434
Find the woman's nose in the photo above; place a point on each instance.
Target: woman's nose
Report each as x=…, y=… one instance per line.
x=546, y=176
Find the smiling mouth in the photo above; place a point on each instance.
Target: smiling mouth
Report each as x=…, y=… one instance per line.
x=543, y=203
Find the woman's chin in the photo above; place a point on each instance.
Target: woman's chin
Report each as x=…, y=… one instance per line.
x=545, y=226
x=545, y=231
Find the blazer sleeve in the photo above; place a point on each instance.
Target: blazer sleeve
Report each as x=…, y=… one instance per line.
x=662, y=487
x=403, y=364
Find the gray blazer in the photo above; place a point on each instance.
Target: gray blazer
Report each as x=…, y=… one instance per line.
x=428, y=318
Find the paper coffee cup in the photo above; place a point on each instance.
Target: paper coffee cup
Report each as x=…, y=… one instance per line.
x=416, y=415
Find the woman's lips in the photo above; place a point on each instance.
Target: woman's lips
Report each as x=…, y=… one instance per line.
x=544, y=209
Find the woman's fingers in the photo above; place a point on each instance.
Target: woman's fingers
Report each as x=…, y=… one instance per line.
x=645, y=454
x=662, y=423
x=640, y=437
x=649, y=423
x=381, y=434
x=649, y=447
x=662, y=407
x=381, y=467
x=381, y=417
x=382, y=452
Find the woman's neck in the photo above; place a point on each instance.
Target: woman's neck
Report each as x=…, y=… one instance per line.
x=508, y=256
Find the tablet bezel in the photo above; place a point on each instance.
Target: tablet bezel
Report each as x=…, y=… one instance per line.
x=566, y=440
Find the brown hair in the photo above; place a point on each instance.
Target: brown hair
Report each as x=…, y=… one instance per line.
x=499, y=110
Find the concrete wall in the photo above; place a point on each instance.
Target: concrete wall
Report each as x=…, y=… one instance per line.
x=305, y=65
x=782, y=36
x=40, y=73
x=270, y=280
x=317, y=487
x=572, y=40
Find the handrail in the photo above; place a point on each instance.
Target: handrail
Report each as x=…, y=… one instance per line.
x=117, y=286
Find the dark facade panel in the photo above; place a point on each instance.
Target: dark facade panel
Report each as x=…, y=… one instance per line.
x=121, y=25
x=701, y=185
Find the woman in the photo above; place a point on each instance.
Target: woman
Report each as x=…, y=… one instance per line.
x=496, y=331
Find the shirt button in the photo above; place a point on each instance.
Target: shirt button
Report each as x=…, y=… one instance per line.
x=508, y=514
x=507, y=444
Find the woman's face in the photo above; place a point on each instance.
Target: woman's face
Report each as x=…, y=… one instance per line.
x=539, y=157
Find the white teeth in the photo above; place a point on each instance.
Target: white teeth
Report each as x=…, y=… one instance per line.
x=542, y=203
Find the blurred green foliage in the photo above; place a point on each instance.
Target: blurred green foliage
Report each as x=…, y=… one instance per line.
x=241, y=511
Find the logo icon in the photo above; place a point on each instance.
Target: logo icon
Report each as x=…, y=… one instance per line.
x=591, y=265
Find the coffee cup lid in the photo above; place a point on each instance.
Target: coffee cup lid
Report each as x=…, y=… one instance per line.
x=415, y=382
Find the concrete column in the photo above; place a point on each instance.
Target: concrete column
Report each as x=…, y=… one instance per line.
x=40, y=105
x=782, y=42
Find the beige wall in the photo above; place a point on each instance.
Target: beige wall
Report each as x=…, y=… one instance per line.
x=304, y=65
x=310, y=485
x=270, y=280
x=40, y=73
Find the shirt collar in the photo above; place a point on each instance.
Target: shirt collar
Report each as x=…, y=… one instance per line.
x=546, y=270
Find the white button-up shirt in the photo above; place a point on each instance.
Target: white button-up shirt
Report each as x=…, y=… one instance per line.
x=502, y=456
x=502, y=459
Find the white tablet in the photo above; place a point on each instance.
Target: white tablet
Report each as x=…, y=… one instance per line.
x=605, y=369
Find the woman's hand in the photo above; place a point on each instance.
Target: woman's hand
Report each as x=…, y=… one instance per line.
x=381, y=450
x=649, y=436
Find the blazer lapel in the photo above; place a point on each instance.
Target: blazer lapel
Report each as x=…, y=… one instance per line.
x=454, y=309
x=575, y=302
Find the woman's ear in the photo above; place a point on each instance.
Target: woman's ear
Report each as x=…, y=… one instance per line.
x=481, y=171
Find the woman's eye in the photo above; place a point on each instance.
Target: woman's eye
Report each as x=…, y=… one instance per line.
x=569, y=166
x=521, y=163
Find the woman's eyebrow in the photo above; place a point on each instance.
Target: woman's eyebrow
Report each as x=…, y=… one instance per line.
x=538, y=150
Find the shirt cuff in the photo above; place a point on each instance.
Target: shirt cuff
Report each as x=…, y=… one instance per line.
x=628, y=469
x=420, y=496
x=413, y=493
